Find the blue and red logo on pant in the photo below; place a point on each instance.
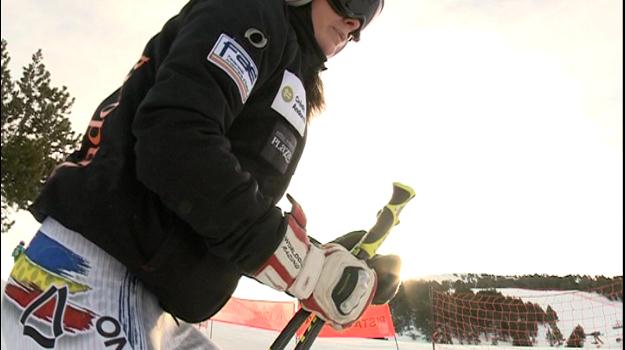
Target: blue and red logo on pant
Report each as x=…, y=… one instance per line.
x=44, y=284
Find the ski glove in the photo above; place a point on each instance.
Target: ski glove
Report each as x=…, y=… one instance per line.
x=387, y=268
x=327, y=279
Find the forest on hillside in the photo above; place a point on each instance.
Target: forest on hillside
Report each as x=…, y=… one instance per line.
x=488, y=313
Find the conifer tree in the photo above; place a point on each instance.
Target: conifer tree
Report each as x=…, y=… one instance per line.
x=36, y=132
x=577, y=337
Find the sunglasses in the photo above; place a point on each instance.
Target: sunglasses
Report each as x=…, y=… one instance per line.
x=362, y=10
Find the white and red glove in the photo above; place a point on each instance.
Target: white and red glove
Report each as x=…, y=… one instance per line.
x=328, y=280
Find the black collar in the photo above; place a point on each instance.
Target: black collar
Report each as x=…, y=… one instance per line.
x=313, y=58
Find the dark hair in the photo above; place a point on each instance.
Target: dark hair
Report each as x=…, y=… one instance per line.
x=315, y=102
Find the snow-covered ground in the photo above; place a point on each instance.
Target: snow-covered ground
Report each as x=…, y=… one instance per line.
x=232, y=337
x=594, y=312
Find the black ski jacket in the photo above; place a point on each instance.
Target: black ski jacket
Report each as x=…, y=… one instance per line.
x=180, y=169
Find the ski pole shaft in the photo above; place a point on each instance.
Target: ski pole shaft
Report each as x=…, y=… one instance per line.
x=365, y=249
x=289, y=330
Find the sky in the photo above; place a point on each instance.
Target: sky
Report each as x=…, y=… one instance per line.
x=504, y=116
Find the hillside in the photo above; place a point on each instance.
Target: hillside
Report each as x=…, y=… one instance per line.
x=594, y=312
x=521, y=310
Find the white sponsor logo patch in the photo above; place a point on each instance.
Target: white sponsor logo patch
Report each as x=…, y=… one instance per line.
x=228, y=55
x=290, y=101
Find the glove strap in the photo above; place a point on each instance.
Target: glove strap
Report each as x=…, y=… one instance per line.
x=296, y=264
x=308, y=276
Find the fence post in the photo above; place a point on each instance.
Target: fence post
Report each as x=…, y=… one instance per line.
x=432, y=322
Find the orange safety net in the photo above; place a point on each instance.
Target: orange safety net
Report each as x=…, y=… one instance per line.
x=522, y=317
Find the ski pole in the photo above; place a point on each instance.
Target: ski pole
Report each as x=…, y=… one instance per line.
x=365, y=249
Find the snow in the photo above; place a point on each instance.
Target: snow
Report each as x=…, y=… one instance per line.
x=594, y=312
x=229, y=337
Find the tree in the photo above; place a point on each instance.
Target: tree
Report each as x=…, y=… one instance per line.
x=577, y=337
x=428, y=307
x=7, y=93
x=554, y=336
x=36, y=132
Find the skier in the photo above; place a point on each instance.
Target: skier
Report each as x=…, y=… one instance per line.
x=19, y=249
x=171, y=198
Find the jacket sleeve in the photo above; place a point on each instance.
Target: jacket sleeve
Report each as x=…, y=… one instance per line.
x=182, y=153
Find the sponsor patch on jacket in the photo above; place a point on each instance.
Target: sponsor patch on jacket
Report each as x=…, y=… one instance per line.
x=290, y=101
x=280, y=148
x=228, y=55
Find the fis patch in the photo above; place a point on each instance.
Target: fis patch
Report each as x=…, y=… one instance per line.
x=228, y=55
